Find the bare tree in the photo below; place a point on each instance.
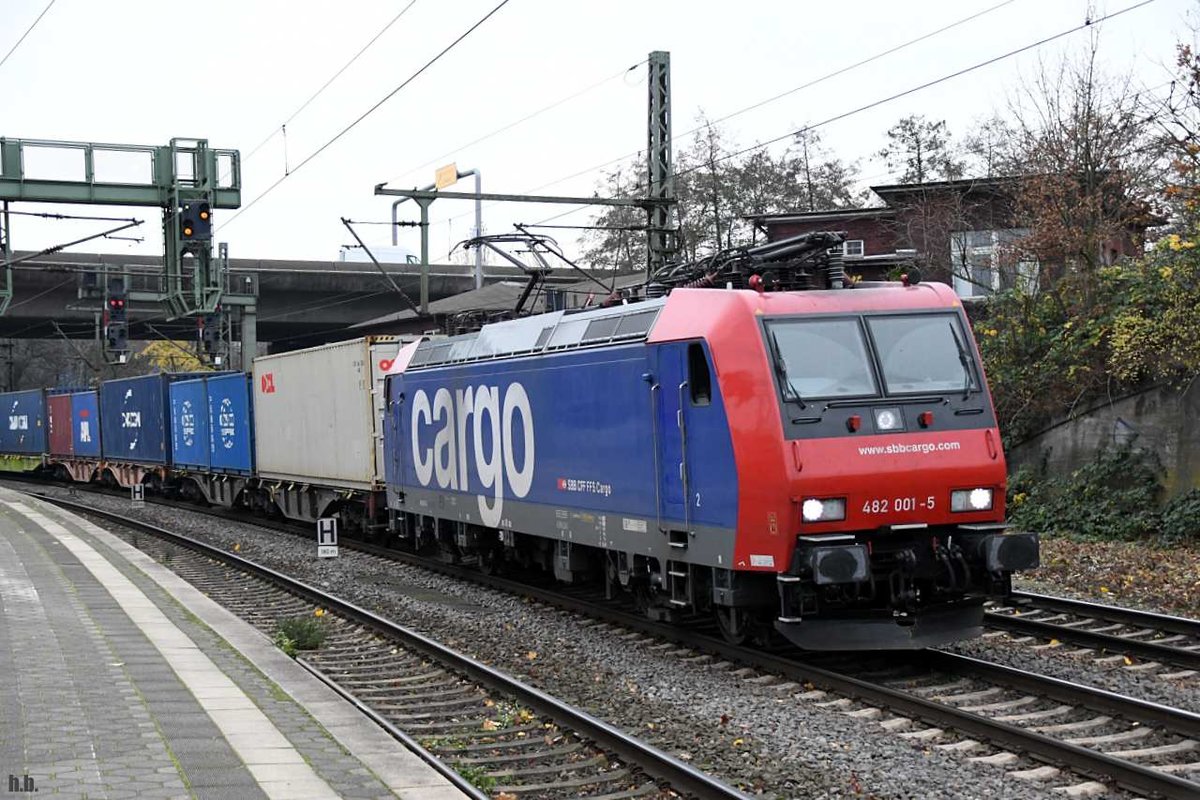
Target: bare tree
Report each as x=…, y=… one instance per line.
x=988, y=150
x=1092, y=166
x=823, y=180
x=919, y=151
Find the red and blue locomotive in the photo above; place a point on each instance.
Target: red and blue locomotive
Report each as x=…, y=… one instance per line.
x=792, y=451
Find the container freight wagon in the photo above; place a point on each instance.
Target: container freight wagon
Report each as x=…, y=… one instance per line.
x=23, y=432
x=318, y=429
x=135, y=427
x=212, y=440
x=73, y=432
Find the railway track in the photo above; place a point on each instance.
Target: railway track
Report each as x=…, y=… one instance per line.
x=1038, y=727
x=1158, y=638
x=998, y=715
x=496, y=734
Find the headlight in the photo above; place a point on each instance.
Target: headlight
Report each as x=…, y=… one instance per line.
x=825, y=509
x=971, y=500
x=888, y=419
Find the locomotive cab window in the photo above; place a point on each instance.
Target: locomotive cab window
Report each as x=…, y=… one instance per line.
x=821, y=358
x=699, y=377
x=923, y=354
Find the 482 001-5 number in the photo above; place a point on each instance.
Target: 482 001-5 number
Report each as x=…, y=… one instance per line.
x=883, y=505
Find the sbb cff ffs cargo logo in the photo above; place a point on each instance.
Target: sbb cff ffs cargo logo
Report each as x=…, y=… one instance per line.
x=492, y=448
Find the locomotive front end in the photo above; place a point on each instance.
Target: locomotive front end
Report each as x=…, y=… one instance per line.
x=896, y=475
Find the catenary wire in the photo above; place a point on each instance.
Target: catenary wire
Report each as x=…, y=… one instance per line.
x=758, y=146
x=808, y=84
x=371, y=110
x=936, y=81
x=28, y=30
x=522, y=120
x=327, y=83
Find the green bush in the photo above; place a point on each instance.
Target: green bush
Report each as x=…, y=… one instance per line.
x=1115, y=495
x=1181, y=518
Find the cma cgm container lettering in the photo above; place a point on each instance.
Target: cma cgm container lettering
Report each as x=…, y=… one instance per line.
x=58, y=424
x=210, y=423
x=134, y=418
x=24, y=424
x=318, y=413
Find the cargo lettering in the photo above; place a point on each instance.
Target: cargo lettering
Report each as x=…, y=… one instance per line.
x=131, y=419
x=18, y=422
x=489, y=420
x=85, y=431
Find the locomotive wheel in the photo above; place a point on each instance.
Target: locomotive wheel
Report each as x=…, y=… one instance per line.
x=734, y=624
x=490, y=560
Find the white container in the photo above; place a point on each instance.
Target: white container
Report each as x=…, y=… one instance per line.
x=318, y=413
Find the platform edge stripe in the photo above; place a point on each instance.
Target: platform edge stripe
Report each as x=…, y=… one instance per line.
x=152, y=622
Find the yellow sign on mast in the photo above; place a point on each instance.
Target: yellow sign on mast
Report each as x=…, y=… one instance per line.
x=446, y=176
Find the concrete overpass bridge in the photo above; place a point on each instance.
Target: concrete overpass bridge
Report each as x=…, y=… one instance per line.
x=298, y=301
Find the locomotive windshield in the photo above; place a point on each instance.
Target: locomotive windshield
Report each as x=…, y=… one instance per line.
x=923, y=353
x=832, y=358
x=823, y=358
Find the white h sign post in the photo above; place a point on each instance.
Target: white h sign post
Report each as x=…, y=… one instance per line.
x=327, y=546
x=137, y=494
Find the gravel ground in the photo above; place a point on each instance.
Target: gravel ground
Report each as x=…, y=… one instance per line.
x=1181, y=693
x=1142, y=574
x=762, y=738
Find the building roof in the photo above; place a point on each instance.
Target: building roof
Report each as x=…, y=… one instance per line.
x=493, y=297
x=995, y=182
x=886, y=192
x=837, y=214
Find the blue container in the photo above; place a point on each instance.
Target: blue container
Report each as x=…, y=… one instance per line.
x=135, y=418
x=85, y=424
x=24, y=422
x=189, y=424
x=230, y=424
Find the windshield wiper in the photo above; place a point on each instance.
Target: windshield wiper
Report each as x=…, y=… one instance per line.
x=963, y=359
x=789, y=391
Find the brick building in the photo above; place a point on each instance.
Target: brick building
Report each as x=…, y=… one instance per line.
x=965, y=233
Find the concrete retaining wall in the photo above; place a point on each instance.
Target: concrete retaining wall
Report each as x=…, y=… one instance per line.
x=1163, y=420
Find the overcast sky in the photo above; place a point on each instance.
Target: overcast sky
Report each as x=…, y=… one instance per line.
x=232, y=71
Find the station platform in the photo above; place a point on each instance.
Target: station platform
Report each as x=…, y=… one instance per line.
x=118, y=679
